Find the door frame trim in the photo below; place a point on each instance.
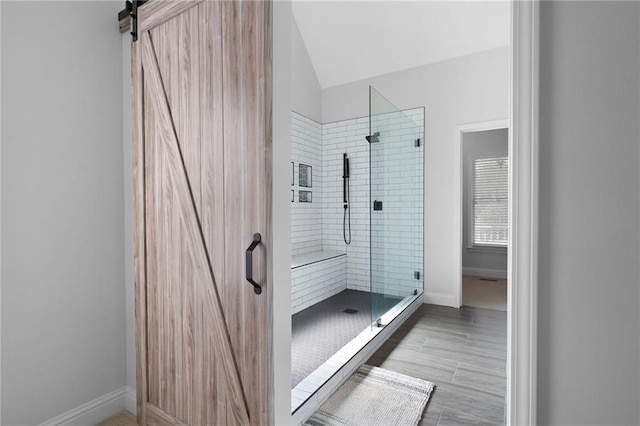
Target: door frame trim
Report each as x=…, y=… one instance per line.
x=522, y=258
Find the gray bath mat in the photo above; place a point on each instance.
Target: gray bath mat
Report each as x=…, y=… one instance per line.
x=375, y=396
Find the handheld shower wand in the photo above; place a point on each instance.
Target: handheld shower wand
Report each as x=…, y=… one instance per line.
x=346, y=199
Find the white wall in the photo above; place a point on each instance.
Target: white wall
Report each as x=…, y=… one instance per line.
x=588, y=312
x=486, y=142
x=306, y=92
x=281, y=213
x=464, y=90
x=63, y=340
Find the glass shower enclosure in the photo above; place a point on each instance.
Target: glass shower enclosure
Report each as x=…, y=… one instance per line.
x=396, y=179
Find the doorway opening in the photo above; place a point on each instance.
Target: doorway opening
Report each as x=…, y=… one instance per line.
x=523, y=172
x=485, y=218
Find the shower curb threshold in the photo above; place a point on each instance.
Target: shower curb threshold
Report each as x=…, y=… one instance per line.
x=315, y=389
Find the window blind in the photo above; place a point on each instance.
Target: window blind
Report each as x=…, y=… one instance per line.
x=490, y=201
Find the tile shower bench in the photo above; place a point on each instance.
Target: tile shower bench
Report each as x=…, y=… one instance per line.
x=317, y=276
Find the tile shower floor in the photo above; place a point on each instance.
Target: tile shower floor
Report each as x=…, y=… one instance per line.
x=322, y=329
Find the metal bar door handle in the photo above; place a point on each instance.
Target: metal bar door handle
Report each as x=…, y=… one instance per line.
x=249, y=263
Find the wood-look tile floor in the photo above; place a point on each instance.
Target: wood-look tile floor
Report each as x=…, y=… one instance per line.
x=122, y=419
x=463, y=352
x=486, y=293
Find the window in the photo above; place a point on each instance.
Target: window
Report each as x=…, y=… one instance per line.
x=490, y=222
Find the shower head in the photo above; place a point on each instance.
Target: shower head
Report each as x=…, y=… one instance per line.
x=373, y=138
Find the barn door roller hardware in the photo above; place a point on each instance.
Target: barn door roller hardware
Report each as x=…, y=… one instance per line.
x=131, y=9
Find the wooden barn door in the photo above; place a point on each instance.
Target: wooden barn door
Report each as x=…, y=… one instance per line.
x=201, y=75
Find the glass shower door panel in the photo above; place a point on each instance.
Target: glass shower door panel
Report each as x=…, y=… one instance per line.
x=396, y=194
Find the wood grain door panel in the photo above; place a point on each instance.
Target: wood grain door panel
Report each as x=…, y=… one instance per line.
x=202, y=154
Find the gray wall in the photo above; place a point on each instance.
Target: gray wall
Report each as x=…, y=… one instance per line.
x=588, y=316
x=305, y=88
x=63, y=340
x=482, y=142
x=468, y=89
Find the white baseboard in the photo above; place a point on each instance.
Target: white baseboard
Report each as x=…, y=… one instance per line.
x=93, y=412
x=486, y=273
x=444, y=299
x=130, y=401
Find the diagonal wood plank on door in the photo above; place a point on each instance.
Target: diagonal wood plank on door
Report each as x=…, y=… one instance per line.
x=178, y=179
x=212, y=183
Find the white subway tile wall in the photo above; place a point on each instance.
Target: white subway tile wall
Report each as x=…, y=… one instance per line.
x=318, y=281
x=397, y=180
x=399, y=255
x=398, y=228
x=337, y=138
x=306, y=218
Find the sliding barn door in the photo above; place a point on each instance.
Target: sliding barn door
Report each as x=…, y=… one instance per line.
x=202, y=169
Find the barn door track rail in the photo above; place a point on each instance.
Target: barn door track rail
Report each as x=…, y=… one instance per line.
x=131, y=10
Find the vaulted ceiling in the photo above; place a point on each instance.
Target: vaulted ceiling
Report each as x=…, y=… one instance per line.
x=352, y=40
